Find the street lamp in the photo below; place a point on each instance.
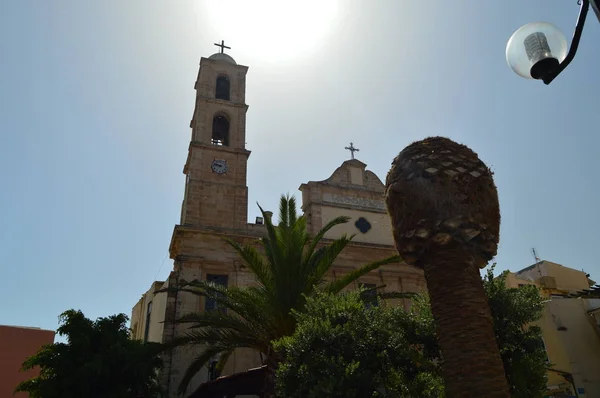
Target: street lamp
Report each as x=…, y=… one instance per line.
x=539, y=50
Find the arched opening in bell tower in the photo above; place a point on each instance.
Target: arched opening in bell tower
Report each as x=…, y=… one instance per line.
x=222, y=88
x=220, y=130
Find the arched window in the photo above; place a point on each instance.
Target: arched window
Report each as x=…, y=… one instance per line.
x=220, y=131
x=222, y=88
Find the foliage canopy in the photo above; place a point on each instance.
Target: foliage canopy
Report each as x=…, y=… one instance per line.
x=99, y=360
x=345, y=348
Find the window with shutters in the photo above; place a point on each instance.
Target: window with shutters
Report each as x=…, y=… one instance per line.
x=211, y=304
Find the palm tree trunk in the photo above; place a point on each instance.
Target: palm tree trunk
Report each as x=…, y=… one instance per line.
x=272, y=362
x=472, y=365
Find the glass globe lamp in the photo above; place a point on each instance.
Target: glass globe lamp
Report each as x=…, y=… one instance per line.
x=536, y=49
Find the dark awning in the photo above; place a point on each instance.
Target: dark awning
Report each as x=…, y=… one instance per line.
x=592, y=292
x=250, y=382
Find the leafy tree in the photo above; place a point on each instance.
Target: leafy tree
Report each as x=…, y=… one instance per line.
x=521, y=347
x=288, y=265
x=99, y=360
x=345, y=348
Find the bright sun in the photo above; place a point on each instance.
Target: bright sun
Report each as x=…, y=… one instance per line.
x=275, y=29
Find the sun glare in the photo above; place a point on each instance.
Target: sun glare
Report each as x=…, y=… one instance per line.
x=276, y=30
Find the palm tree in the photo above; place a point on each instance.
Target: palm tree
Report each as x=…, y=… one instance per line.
x=446, y=219
x=291, y=266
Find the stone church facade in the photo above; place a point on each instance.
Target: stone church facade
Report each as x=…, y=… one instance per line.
x=215, y=206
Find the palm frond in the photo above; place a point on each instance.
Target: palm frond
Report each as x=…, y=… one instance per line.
x=223, y=360
x=186, y=288
x=218, y=319
x=284, y=250
x=298, y=238
x=194, y=287
x=198, y=363
x=337, y=285
x=252, y=302
x=213, y=336
x=292, y=211
x=396, y=295
x=324, y=258
x=245, y=320
x=274, y=250
x=284, y=211
x=246, y=303
x=254, y=261
x=317, y=238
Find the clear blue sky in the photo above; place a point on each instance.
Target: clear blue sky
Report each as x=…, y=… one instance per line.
x=97, y=97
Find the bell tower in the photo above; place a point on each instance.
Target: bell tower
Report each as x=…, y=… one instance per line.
x=216, y=195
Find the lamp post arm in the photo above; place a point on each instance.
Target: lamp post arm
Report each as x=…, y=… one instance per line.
x=596, y=8
x=585, y=5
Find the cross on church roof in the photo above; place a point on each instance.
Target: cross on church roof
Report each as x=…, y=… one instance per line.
x=222, y=45
x=352, y=149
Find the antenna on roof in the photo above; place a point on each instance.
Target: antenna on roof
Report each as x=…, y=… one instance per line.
x=535, y=256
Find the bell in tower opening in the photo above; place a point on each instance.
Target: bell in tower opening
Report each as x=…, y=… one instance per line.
x=220, y=131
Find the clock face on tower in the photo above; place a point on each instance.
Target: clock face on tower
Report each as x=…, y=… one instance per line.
x=219, y=166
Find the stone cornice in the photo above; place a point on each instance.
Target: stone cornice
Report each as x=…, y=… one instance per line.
x=198, y=144
x=229, y=65
x=251, y=231
x=344, y=206
x=256, y=231
x=366, y=245
x=343, y=185
x=212, y=100
x=202, y=145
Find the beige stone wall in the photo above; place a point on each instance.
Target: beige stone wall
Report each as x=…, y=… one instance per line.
x=210, y=69
x=562, y=278
x=575, y=347
x=235, y=114
x=240, y=360
x=202, y=253
x=356, y=176
x=351, y=191
x=513, y=280
x=157, y=315
x=211, y=199
x=571, y=337
x=207, y=106
x=380, y=232
x=566, y=278
x=230, y=211
x=135, y=321
x=159, y=304
x=184, y=356
x=557, y=354
x=397, y=277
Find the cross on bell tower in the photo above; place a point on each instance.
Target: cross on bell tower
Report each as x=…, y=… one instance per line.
x=352, y=149
x=222, y=45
